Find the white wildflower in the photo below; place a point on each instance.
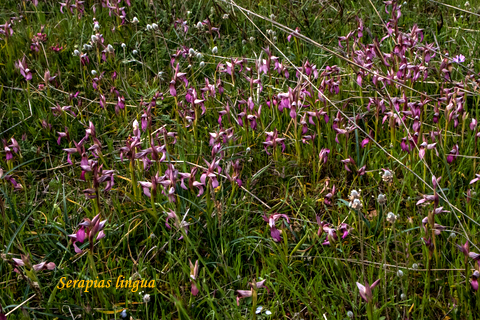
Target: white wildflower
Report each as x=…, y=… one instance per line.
x=146, y=298
x=356, y=204
x=387, y=176
x=391, y=217
x=354, y=194
x=382, y=199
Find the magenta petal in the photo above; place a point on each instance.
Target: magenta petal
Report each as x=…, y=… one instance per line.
x=362, y=291
x=38, y=267
x=101, y=235
x=375, y=284
x=194, y=289
x=18, y=262
x=77, y=249
x=275, y=233
x=474, y=284
x=81, y=235
x=50, y=265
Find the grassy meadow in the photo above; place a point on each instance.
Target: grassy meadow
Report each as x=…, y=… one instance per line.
x=221, y=159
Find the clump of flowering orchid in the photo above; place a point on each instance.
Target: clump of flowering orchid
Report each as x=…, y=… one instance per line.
x=331, y=231
x=91, y=230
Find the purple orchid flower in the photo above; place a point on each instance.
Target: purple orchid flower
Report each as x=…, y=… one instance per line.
x=437, y=229
x=177, y=76
x=70, y=151
x=474, y=281
x=425, y=146
x=182, y=23
x=477, y=177
x=23, y=67
x=210, y=173
x=23, y=261
x=273, y=140
x=11, y=147
x=190, y=176
x=274, y=232
x=177, y=223
x=63, y=135
x=57, y=111
x=323, y=155
x=84, y=60
x=453, y=154
x=210, y=27
x=235, y=177
x=344, y=229
x=193, y=277
x=321, y=224
x=331, y=237
x=120, y=104
x=465, y=249
x=44, y=266
x=329, y=196
x=280, y=68
x=293, y=34
x=366, y=290
x=90, y=230
x=254, y=286
x=346, y=162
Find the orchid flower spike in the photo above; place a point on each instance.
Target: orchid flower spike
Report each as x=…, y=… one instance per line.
x=366, y=291
x=193, y=276
x=275, y=233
